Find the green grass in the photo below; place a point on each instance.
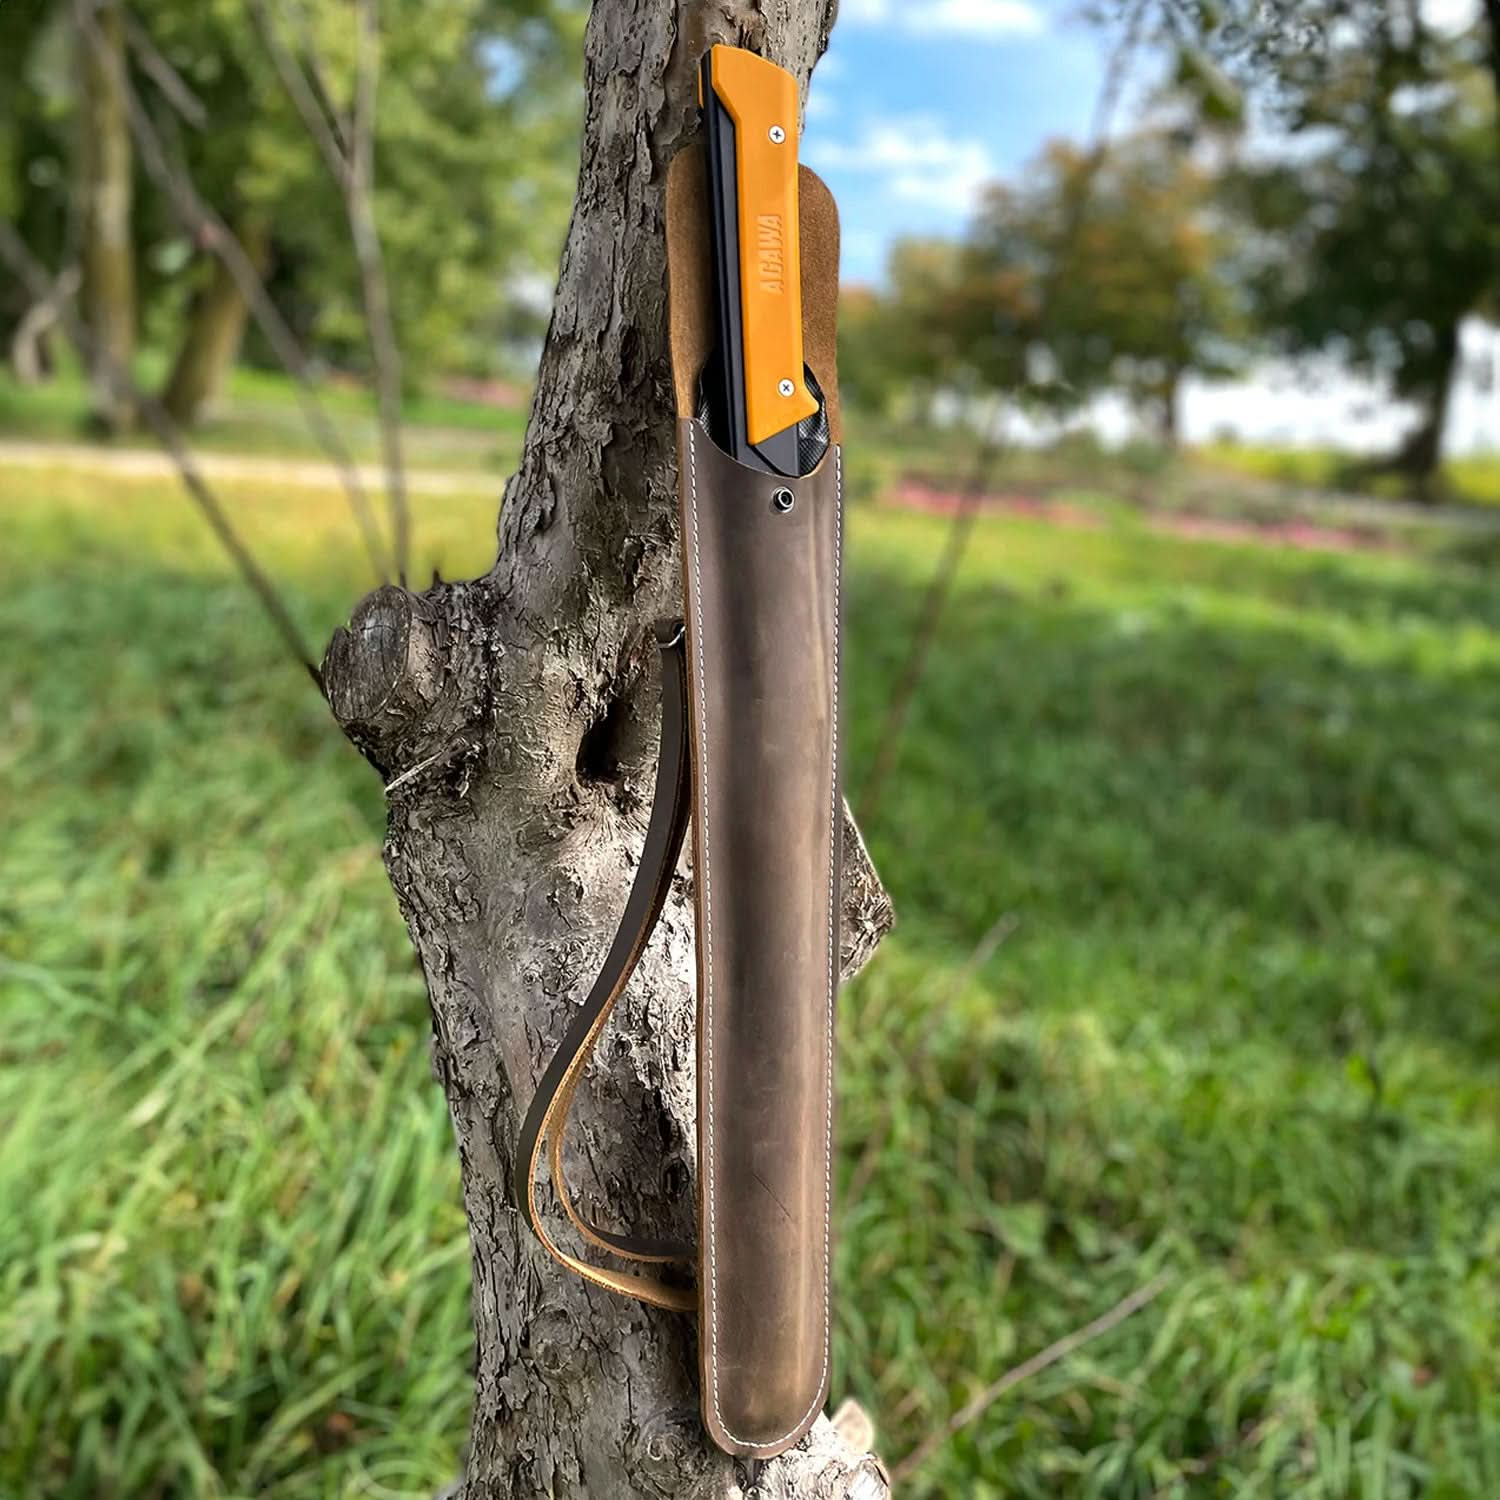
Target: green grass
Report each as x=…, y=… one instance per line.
x=1239, y=805
x=260, y=413
x=1472, y=480
x=233, y=1254
x=1141, y=472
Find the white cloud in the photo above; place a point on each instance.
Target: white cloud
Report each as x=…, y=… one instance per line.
x=1450, y=15
x=917, y=160
x=973, y=18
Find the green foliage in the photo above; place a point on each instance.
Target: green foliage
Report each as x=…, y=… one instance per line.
x=33, y=108
x=1095, y=271
x=1380, y=241
x=1375, y=234
x=1238, y=804
x=1127, y=253
x=1288, y=50
x=475, y=145
x=478, y=108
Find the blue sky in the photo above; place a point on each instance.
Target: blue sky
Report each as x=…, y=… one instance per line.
x=918, y=102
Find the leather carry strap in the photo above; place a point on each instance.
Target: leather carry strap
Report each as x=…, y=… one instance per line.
x=670, y=806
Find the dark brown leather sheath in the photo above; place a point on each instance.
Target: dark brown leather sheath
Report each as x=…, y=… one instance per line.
x=762, y=590
x=761, y=587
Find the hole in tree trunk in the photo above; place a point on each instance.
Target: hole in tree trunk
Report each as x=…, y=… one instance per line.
x=599, y=752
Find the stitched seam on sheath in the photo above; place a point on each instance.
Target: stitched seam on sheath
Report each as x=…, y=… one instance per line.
x=708, y=979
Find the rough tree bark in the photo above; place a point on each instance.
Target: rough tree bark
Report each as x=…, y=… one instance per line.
x=513, y=720
x=104, y=187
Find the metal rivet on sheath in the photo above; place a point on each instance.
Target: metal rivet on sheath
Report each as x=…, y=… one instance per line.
x=783, y=500
x=778, y=135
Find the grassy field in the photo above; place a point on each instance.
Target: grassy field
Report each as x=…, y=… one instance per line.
x=1238, y=806
x=1216, y=478
x=1473, y=479
x=260, y=413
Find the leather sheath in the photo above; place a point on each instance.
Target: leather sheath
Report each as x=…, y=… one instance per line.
x=762, y=572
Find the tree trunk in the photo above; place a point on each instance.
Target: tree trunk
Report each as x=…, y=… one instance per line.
x=1492, y=18
x=1170, y=398
x=216, y=324
x=1421, y=455
x=104, y=187
x=513, y=720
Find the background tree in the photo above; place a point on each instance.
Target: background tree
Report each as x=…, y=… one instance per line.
x=1378, y=228
x=1096, y=271
x=1379, y=246
x=478, y=114
x=34, y=181
x=105, y=184
x=1121, y=264
x=931, y=329
x=473, y=94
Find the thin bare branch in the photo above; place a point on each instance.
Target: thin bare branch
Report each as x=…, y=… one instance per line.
x=385, y=353
x=343, y=127
x=174, y=87
x=969, y=1413
x=318, y=122
x=924, y=633
x=1080, y=186
x=31, y=330
x=1116, y=75
x=15, y=254
x=353, y=170
x=208, y=229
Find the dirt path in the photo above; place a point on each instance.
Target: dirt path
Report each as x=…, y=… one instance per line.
x=152, y=463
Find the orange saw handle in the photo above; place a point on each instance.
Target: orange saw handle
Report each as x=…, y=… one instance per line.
x=750, y=118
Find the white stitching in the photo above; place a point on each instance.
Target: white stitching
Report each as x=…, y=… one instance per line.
x=708, y=967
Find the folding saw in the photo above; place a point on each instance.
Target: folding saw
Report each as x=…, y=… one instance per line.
x=762, y=404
